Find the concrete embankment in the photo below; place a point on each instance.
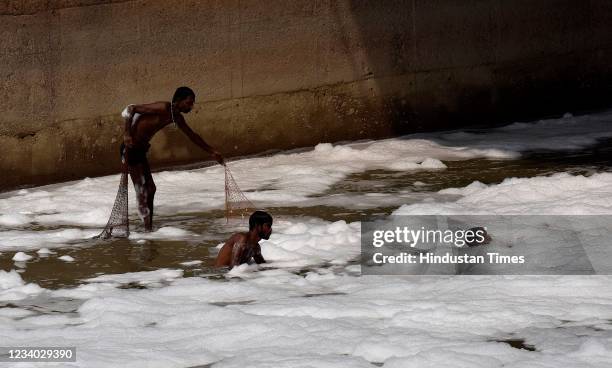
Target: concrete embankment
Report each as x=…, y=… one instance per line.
x=283, y=74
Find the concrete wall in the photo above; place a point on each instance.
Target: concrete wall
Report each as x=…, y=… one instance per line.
x=282, y=74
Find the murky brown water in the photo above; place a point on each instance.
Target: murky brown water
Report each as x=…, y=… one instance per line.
x=121, y=255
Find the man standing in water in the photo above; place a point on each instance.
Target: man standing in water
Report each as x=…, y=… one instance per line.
x=141, y=124
x=242, y=247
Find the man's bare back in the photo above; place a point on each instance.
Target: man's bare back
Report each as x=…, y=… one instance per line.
x=242, y=247
x=150, y=119
x=238, y=250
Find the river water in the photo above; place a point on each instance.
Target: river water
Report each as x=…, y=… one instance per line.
x=117, y=256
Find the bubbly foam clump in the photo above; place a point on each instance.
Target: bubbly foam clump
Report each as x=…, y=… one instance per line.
x=12, y=287
x=558, y=194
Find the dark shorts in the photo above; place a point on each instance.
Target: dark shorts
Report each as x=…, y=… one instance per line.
x=136, y=155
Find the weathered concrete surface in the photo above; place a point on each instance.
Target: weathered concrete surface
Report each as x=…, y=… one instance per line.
x=283, y=74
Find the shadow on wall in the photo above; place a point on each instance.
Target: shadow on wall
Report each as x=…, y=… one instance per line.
x=445, y=64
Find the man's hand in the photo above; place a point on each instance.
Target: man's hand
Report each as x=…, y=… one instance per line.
x=127, y=140
x=219, y=157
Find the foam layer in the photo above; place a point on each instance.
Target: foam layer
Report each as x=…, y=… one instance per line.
x=274, y=317
x=331, y=319
x=291, y=178
x=558, y=194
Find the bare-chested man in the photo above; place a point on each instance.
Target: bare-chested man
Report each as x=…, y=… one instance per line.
x=242, y=247
x=141, y=124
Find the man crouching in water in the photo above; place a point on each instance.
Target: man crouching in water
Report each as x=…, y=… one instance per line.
x=242, y=247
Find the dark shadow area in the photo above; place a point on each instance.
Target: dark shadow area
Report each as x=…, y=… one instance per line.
x=445, y=64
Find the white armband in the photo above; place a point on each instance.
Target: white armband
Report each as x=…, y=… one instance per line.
x=126, y=112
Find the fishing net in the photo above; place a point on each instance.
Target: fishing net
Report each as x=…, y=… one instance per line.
x=118, y=225
x=237, y=205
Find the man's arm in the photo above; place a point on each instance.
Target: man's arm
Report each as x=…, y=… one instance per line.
x=195, y=138
x=257, y=256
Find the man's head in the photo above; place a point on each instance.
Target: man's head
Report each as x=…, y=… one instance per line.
x=261, y=222
x=183, y=99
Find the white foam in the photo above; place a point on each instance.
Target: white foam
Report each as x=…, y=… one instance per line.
x=294, y=178
x=558, y=194
x=329, y=316
x=30, y=240
x=66, y=258
x=267, y=320
x=14, y=220
x=12, y=287
x=166, y=232
x=14, y=312
x=9, y=280
x=323, y=315
x=148, y=277
x=316, y=242
x=432, y=163
x=21, y=257
x=191, y=263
